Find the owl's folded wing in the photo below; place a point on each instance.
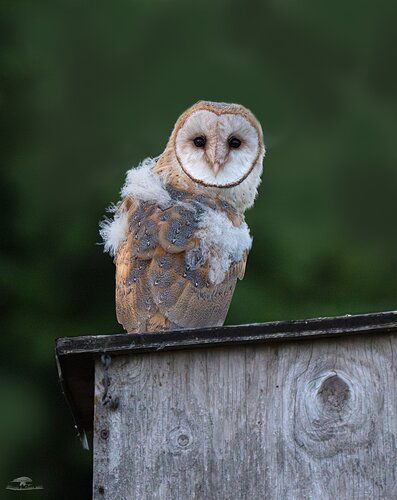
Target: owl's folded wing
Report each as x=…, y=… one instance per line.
x=155, y=286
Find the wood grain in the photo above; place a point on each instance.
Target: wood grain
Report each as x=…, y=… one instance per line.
x=293, y=420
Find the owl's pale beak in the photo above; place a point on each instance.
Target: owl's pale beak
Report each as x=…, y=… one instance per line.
x=216, y=167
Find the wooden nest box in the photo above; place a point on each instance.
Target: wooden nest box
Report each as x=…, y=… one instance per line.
x=282, y=410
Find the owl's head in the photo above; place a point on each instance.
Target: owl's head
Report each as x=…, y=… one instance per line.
x=217, y=144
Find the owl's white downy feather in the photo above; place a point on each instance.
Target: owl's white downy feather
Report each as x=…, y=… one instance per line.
x=113, y=230
x=222, y=243
x=141, y=184
x=144, y=185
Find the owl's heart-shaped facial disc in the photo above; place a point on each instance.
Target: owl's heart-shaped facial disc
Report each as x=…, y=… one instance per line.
x=218, y=149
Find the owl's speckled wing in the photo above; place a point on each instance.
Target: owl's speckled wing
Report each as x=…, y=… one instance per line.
x=155, y=288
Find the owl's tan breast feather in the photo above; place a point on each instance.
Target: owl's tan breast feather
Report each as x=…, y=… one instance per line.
x=155, y=288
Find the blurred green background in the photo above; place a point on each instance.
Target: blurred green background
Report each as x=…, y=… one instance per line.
x=88, y=89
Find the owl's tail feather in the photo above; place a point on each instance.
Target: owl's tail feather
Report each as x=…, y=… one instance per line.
x=157, y=323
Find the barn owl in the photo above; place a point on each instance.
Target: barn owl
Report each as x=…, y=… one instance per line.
x=178, y=237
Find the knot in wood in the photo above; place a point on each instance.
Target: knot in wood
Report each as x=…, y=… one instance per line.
x=183, y=440
x=333, y=394
x=104, y=434
x=180, y=439
x=336, y=405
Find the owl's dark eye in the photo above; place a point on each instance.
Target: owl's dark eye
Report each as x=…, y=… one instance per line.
x=234, y=142
x=199, y=141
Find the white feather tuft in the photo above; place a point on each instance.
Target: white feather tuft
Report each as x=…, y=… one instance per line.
x=113, y=231
x=222, y=243
x=142, y=184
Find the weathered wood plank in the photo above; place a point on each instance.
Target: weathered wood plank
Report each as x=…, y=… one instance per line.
x=292, y=420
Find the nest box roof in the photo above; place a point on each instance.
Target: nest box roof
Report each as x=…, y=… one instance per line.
x=75, y=355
